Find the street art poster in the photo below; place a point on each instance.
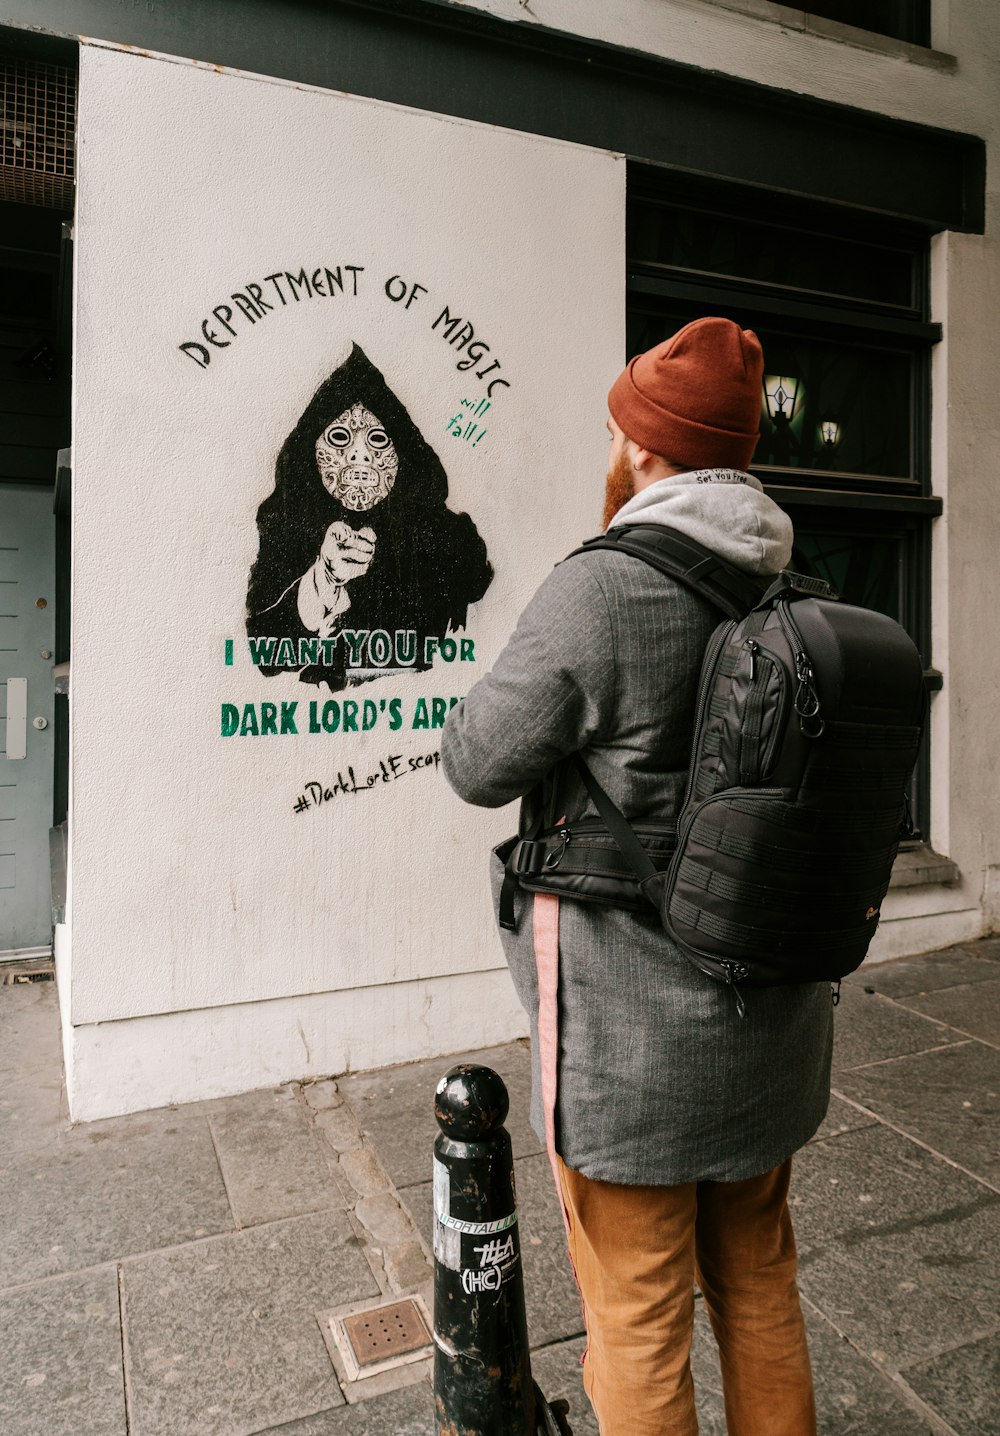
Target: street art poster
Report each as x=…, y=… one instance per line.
x=364, y=568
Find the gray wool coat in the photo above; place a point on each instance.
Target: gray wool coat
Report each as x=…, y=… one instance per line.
x=660, y=1081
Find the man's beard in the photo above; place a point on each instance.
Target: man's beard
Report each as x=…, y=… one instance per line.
x=619, y=489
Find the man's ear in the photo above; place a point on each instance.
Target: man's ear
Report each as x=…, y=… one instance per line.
x=641, y=457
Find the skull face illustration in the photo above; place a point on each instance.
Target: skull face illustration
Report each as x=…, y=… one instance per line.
x=357, y=534
x=357, y=460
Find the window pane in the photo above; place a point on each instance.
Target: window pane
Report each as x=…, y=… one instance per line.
x=25, y=294
x=845, y=409
x=703, y=243
x=865, y=569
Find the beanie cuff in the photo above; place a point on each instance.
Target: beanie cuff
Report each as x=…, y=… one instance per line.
x=672, y=437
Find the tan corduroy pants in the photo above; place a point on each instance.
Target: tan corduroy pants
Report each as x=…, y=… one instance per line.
x=637, y=1253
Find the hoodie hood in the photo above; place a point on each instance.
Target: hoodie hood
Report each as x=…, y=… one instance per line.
x=726, y=510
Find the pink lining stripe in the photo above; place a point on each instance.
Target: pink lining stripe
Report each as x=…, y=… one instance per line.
x=545, y=929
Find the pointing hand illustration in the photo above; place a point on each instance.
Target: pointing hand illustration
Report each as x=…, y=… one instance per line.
x=347, y=553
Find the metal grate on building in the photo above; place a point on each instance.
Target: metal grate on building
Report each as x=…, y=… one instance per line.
x=37, y=146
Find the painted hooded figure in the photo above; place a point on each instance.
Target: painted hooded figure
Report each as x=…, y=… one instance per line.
x=357, y=534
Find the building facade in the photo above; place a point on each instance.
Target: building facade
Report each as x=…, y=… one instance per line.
x=308, y=324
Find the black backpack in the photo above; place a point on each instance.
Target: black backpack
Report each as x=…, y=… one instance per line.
x=807, y=726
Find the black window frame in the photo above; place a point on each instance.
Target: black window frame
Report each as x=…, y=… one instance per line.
x=820, y=499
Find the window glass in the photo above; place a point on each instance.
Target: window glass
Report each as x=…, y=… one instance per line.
x=700, y=242
x=834, y=407
x=865, y=569
x=25, y=294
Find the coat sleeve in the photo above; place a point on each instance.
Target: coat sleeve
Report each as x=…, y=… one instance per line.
x=550, y=693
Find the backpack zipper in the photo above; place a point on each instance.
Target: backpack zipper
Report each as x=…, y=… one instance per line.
x=716, y=645
x=750, y=728
x=806, y=700
x=764, y=668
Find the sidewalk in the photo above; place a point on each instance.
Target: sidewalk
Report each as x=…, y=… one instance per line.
x=166, y=1274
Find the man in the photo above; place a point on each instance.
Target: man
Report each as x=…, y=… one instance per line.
x=670, y=1117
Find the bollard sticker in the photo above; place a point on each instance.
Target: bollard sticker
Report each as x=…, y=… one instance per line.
x=447, y=1247
x=498, y=1260
x=496, y=1252
x=474, y=1282
x=477, y=1229
x=447, y=1241
x=442, y=1189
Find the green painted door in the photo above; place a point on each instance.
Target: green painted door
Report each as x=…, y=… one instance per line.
x=27, y=612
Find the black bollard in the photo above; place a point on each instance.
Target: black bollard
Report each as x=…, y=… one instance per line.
x=482, y=1368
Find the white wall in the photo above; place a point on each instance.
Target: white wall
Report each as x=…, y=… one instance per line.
x=194, y=885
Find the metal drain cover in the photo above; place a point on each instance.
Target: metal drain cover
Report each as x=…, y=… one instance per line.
x=387, y=1331
x=380, y=1337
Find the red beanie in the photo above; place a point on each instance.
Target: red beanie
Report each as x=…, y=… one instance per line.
x=695, y=399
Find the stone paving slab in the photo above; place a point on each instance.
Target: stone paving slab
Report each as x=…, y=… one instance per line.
x=842, y=1117
x=973, y=1008
x=61, y=1373
x=974, y=962
x=559, y=1375
x=853, y=1397
x=105, y=1190
x=396, y=1108
x=988, y=947
x=272, y=1160
x=963, y=1386
x=409, y=1412
x=948, y=1099
x=869, y=1028
x=221, y=1336
x=551, y=1300
x=33, y=1107
x=897, y=1248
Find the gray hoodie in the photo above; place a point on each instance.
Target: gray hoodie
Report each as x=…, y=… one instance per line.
x=724, y=509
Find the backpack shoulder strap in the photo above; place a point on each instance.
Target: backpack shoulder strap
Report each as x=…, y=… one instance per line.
x=685, y=560
x=695, y=566
x=615, y=821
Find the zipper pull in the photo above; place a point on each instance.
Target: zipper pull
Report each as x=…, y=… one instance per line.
x=735, y=971
x=754, y=648
x=835, y=993
x=806, y=697
x=556, y=856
